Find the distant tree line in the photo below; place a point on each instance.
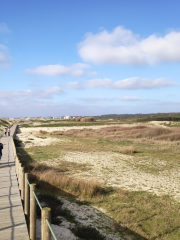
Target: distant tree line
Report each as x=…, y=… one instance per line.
x=142, y=117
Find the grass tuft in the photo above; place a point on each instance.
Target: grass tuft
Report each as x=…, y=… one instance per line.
x=78, y=187
x=87, y=232
x=128, y=150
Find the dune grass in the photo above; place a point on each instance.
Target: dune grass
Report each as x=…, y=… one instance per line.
x=151, y=216
x=68, y=123
x=144, y=214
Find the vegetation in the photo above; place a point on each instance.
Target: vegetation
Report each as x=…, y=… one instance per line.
x=87, y=232
x=67, y=124
x=48, y=200
x=3, y=123
x=145, y=117
x=85, y=119
x=141, y=214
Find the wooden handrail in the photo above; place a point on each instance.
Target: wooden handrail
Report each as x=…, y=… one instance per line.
x=30, y=199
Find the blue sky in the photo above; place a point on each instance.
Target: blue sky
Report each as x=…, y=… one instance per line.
x=87, y=57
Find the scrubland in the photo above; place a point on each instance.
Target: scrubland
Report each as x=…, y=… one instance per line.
x=128, y=173
x=4, y=123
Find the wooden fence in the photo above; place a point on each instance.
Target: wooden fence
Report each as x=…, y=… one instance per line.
x=30, y=200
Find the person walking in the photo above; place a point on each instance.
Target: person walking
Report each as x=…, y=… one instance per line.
x=1, y=147
x=8, y=132
x=5, y=131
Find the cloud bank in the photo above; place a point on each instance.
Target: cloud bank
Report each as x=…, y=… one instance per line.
x=128, y=83
x=122, y=46
x=4, y=55
x=124, y=98
x=75, y=70
x=15, y=96
x=4, y=28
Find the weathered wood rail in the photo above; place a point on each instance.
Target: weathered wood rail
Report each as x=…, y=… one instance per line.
x=12, y=221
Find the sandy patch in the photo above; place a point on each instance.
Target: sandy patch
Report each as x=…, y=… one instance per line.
x=61, y=232
x=30, y=138
x=119, y=170
x=85, y=216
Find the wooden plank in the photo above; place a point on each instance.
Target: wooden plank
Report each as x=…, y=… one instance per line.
x=12, y=220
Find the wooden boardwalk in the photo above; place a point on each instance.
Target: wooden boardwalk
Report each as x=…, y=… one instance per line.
x=12, y=219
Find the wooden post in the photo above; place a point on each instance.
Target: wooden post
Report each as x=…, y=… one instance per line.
x=26, y=197
x=32, y=212
x=22, y=183
x=19, y=179
x=17, y=167
x=45, y=231
x=16, y=162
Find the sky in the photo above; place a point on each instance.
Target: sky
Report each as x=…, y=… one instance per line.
x=89, y=57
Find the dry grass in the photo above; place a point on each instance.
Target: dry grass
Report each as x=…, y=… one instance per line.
x=128, y=149
x=85, y=119
x=118, y=133
x=50, y=178
x=157, y=151
x=43, y=132
x=78, y=119
x=88, y=119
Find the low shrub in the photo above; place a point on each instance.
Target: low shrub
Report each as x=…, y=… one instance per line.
x=170, y=137
x=55, y=204
x=78, y=119
x=43, y=132
x=78, y=187
x=128, y=149
x=87, y=232
x=87, y=119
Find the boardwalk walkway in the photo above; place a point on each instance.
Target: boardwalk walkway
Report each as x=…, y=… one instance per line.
x=12, y=220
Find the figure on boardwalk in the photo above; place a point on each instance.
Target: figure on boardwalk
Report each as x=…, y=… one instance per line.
x=1, y=147
x=5, y=131
x=8, y=131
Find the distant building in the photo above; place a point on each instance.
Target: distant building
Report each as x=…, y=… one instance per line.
x=67, y=117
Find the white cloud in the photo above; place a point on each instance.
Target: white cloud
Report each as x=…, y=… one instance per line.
x=122, y=46
x=4, y=28
x=4, y=55
x=105, y=82
x=124, y=98
x=130, y=83
x=132, y=98
x=74, y=85
x=76, y=70
x=24, y=95
x=142, y=83
x=39, y=108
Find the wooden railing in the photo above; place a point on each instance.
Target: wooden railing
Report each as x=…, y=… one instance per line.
x=30, y=200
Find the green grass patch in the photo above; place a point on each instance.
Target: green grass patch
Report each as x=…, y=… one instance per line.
x=4, y=123
x=67, y=124
x=151, y=216
x=87, y=233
